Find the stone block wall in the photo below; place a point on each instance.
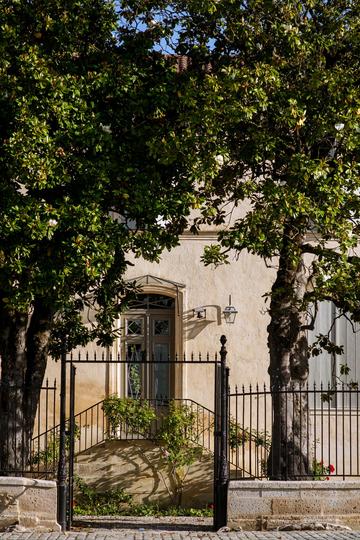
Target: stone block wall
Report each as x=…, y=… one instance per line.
x=29, y=503
x=261, y=505
x=139, y=468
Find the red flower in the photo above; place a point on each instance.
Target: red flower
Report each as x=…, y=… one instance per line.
x=211, y=506
x=327, y=478
x=331, y=468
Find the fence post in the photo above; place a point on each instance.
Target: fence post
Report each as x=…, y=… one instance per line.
x=71, y=447
x=222, y=467
x=61, y=478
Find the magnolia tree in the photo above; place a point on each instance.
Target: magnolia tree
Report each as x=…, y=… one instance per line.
x=80, y=188
x=270, y=118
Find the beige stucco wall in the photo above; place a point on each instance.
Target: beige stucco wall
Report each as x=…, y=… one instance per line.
x=246, y=279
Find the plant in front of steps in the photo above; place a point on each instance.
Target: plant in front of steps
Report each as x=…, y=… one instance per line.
x=156, y=511
x=178, y=450
x=128, y=413
x=49, y=455
x=176, y=436
x=116, y=502
x=108, y=503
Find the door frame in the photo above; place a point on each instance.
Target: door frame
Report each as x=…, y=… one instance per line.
x=148, y=339
x=179, y=369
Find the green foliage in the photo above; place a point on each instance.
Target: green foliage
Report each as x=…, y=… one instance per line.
x=270, y=123
x=83, y=189
x=176, y=436
x=323, y=342
x=116, y=502
x=91, y=502
x=135, y=379
x=341, y=381
x=155, y=510
x=239, y=436
x=129, y=413
x=213, y=255
x=81, y=186
x=322, y=471
x=50, y=455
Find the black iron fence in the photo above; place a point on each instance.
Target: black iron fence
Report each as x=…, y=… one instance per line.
x=93, y=426
x=323, y=421
x=317, y=425
x=25, y=449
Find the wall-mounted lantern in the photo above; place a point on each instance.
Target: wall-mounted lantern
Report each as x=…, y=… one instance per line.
x=230, y=313
x=199, y=312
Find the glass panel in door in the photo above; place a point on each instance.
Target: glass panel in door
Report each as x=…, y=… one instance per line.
x=161, y=379
x=135, y=353
x=149, y=345
x=134, y=356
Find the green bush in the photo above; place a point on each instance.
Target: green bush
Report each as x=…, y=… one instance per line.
x=50, y=454
x=135, y=414
x=91, y=502
x=175, y=437
x=116, y=502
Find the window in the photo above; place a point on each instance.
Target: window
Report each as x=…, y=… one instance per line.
x=326, y=367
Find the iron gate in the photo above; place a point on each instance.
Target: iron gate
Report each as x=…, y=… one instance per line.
x=221, y=428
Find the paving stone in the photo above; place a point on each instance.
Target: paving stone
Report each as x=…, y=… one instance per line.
x=155, y=535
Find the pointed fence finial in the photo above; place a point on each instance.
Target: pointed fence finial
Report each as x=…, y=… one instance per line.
x=223, y=351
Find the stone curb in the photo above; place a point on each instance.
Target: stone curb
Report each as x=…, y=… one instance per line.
x=26, y=482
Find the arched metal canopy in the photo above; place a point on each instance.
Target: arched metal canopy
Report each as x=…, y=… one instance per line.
x=149, y=279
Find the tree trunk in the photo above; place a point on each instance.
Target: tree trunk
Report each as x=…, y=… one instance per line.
x=289, y=457
x=23, y=349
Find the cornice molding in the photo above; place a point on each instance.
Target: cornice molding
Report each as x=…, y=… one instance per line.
x=202, y=235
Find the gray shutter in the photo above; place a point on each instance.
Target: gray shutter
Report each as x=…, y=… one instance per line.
x=320, y=367
x=347, y=334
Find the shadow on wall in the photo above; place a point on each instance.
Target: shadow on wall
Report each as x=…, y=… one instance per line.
x=193, y=325
x=139, y=468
